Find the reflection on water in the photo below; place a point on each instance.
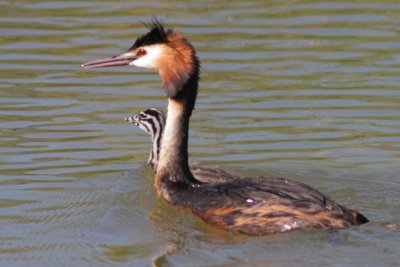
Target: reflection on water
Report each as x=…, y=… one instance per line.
x=299, y=89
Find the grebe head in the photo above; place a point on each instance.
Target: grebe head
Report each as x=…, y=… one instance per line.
x=151, y=121
x=163, y=49
x=169, y=52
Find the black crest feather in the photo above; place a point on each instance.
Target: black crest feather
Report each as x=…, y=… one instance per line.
x=157, y=34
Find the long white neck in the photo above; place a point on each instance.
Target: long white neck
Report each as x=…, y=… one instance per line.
x=173, y=160
x=173, y=171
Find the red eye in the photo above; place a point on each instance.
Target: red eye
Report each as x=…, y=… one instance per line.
x=141, y=52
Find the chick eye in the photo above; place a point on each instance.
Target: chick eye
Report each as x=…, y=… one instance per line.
x=141, y=52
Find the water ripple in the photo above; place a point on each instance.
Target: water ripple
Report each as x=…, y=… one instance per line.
x=297, y=88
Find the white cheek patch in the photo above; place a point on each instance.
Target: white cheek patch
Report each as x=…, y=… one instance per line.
x=151, y=59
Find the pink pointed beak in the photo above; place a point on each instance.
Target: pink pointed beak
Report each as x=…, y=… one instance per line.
x=119, y=60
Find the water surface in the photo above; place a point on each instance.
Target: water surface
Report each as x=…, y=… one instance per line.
x=299, y=89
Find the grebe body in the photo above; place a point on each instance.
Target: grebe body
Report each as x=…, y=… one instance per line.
x=253, y=206
x=262, y=206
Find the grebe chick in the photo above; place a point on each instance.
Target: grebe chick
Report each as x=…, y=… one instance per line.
x=251, y=206
x=152, y=121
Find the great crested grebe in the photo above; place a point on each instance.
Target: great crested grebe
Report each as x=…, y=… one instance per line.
x=253, y=206
x=152, y=121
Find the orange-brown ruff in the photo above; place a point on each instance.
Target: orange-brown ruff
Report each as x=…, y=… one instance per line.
x=253, y=206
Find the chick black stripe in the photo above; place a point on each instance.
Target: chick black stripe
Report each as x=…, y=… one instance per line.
x=153, y=126
x=145, y=126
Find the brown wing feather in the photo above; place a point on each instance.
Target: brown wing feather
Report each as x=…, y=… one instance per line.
x=265, y=206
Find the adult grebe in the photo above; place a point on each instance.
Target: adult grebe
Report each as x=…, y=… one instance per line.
x=252, y=206
x=152, y=121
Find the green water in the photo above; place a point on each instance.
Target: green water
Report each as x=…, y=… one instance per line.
x=303, y=89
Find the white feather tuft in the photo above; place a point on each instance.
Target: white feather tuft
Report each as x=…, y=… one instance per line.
x=151, y=59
